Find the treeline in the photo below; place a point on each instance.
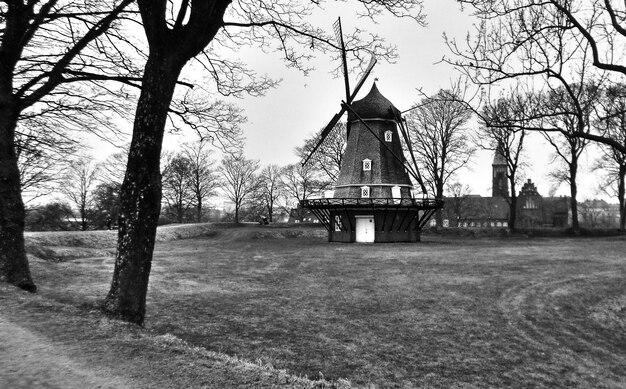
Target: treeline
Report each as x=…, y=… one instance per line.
x=195, y=183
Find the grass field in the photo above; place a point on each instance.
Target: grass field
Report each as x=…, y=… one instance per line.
x=443, y=313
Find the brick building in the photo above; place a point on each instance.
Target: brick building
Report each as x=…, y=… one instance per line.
x=533, y=210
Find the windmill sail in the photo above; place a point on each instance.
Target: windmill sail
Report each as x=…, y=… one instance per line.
x=360, y=83
x=333, y=122
x=407, y=140
x=342, y=46
x=338, y=116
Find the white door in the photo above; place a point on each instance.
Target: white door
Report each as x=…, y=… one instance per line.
x=365, y=229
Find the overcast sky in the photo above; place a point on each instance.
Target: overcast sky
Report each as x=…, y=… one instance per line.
x=282, y=119
x=301, y=105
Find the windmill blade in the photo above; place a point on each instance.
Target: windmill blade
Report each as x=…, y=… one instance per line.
x=333, y=122
x=360, y=83
x=350, y=96
x=407, y=140
x=342, y=46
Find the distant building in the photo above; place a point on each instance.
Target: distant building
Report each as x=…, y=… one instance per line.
x=533, y=210
x=598, y=213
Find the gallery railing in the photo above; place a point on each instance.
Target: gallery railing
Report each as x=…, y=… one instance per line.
x=330, y=211
x=425, y=203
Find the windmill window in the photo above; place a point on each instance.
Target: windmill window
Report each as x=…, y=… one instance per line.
x=396, y=193
x=367, y=165
x=388, y=136
x=365, y=192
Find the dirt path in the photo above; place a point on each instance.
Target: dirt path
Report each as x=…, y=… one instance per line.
x=29, y=360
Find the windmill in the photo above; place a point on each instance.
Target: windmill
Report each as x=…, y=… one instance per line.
x=373, y=200
x=410, y=166
x=349, y=95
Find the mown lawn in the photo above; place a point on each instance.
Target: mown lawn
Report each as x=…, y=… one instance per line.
x=443, y=313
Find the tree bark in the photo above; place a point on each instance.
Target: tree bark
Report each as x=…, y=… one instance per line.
x=141, y=193
x=621, y=191
x=13, y=262
x=439, y=213
x=573, y=168
x=512, y=204
x=140, y=196
x=180, y=211
x=14, y=267
x=199, y=209
x=270, y=211
x=83, y=218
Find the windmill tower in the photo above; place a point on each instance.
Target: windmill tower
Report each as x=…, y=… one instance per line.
x=373, y=164
x=372, y=201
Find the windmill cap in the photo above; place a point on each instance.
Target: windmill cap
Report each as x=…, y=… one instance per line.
x=373, y=106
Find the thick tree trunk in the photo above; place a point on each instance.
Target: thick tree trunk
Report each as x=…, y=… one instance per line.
x=140, y=195
x=573, y=193
x=13, y=262
x=512, y=205
x=199, y=210
x=513, y=213
x=270, y=212
x=621, y=191
x=83, y=219
x=180, y=210
x=439, y=213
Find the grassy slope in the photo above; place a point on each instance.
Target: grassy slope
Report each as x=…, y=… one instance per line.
x=448, y=312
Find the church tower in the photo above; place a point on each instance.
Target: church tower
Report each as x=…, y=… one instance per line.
x=499, y=183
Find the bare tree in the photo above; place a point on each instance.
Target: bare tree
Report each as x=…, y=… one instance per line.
x=440, y=140
x=554, y=41
x=177, y=189
x=328, y=156
x=270, y=188
x=553, y=44
x=570, y=116
x=35, y=86
x=176, y=33
x=501, y=134
x=612, y=123
x=215, y=122
x=79, y=186
x=594, y=213
x=43, y=158
x=458, y=205
x=203, y=174
x=239, y=180
x=106, y=197
x=300, y=182
x=113, y=168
